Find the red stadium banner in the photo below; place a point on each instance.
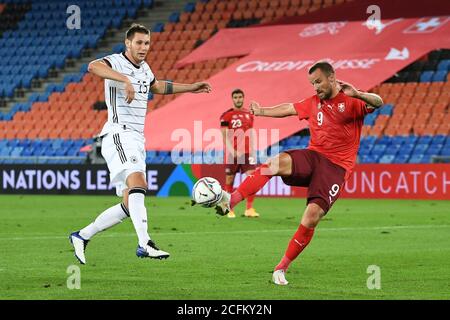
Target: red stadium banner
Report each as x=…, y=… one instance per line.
x=274, y=69
x=374, y=181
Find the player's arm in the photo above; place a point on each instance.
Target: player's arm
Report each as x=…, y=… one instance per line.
x=105, y=71
x=278, y=111
x=371, y=99
x=169, y=87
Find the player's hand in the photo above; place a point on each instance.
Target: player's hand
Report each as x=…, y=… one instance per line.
x=200, y=87
x=129, y=91
x=347, y=88
x=255, y=108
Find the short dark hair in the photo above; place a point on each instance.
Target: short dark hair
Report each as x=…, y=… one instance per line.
x=324, y=66
x=136, y=28
x=235, y=91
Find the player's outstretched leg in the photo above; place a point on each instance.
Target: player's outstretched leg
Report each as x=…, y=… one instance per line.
x=279, y=165
x=105, y=220
x=299, y=241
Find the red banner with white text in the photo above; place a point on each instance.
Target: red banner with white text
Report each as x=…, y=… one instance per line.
x=274, y=68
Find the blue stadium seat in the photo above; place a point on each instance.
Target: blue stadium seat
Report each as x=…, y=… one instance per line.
x=416, y=158
x=158, y=27
x=392, y=149
x=439, y=76
x=189, y=7
x=386, y=109
x=118, y=48
x=411, y=139
x=444, y=65
x=369, y=120
x=174, y=17
x=426, y=76
x=425, y=140
x=438, y=139
x=406, y=148
x=384, y=140
x=434, y=149
x=365, y=149
x=387, y=159
x=147, y=3
x=401, y=158
x=420, y=149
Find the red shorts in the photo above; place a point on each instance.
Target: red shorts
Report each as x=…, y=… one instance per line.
x=242, y=164
x=323, y=178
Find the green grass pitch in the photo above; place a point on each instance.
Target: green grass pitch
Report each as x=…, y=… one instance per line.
x=220, y=258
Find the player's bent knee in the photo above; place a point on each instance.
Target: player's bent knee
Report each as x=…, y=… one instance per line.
x=313, y=214
x=136, y=180
x=281, y=164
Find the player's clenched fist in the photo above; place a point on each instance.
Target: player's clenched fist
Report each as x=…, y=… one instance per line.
x=255, y=108
x=347, y=88
x=200, y=87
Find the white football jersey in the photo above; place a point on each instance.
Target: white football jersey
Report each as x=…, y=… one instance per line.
x=129, y=116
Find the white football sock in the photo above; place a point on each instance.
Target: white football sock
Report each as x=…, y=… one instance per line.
x=138, y=214
x=105, y=220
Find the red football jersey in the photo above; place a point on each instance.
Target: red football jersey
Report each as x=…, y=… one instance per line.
x=238, y=122
x=335, y=126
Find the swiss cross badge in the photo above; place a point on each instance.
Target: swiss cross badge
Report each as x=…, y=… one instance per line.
x=341, y=107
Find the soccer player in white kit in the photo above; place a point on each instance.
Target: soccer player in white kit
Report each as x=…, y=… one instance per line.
x=128, y=79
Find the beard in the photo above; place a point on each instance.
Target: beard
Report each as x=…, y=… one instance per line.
x=326, y=94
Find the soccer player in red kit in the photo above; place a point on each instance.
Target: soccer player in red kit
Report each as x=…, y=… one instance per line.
x=238, y=137
x=335, y=115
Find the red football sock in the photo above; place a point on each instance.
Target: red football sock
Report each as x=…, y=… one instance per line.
x=250, y=201
x=236, y=197
x=251, y=185
x=298, y=242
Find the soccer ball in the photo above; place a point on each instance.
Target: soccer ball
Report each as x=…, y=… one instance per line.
x=207, y=192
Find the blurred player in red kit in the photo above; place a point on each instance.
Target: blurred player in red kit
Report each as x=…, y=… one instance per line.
x=238, y=137
x=335, y=115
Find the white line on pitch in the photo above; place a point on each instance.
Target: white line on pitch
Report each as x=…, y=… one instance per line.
x=115, y=235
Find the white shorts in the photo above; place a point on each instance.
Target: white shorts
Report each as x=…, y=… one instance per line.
x=124, y=152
